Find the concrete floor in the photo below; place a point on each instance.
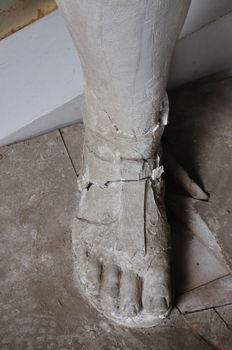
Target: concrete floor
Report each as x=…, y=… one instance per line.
x=39, y=305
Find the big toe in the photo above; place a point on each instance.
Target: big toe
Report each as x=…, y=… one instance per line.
x=87, y=269
x=156, y=297
x=109, y=287
x=130, y=294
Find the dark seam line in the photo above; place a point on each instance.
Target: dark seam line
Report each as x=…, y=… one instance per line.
x=66, y=148
x=226, y=324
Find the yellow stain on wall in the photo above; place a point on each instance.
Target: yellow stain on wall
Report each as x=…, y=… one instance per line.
x=17, y=14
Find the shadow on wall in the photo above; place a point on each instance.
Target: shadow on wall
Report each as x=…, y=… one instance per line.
x=203, y=12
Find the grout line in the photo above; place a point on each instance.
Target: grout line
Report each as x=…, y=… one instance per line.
x=204, y=284
x=201, y=310
x=195, y=332
x=194, y=311
x=226, y=324
x=145, y=220
x=66, y=148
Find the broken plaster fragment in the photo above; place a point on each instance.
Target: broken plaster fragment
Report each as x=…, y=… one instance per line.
x=157, y=174
x=182, y=177
x=164, y=111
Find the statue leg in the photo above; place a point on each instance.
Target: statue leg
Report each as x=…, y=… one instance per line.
x=120, y=235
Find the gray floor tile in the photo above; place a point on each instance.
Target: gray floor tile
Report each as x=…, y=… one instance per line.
x=194, y=264
x=73, y=137
x=211, y=328
x=216, y=293
x=226, y=313
x=200, y=137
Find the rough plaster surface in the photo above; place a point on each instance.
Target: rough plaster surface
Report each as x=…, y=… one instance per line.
x=120, y=235
x=197, y=257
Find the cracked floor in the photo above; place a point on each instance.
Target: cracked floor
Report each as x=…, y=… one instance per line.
x=39, y=305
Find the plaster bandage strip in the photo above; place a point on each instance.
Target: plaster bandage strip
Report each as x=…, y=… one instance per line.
x=96, y=113
x=106, y=146
x=100, y=171
x=104, y=163
x=107, y=143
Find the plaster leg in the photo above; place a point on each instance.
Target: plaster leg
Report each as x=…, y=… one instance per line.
x=120, y=235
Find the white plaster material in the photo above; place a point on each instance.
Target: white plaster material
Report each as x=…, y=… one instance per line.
x=182, y=177
x=120, y=235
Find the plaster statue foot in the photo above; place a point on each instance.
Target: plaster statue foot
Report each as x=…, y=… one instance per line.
x=121, y=251
x=120, y=235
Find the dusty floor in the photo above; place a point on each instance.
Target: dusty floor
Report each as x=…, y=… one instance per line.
x=39, y=305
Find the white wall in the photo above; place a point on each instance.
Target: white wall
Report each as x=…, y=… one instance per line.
x=203, y=53
x=202, y=12
x=40, y=74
